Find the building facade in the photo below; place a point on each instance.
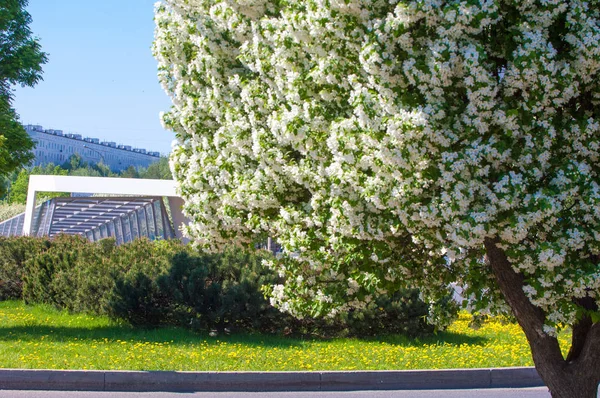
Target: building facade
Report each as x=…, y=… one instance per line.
x=54, y=146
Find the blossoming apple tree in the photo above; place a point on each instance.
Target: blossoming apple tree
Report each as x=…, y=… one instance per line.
x=388, y=144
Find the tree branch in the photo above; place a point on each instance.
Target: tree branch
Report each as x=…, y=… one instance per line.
x=545, y=348
x=584, y=354
x=589, y=356
x=580, y=335
x=581, y=329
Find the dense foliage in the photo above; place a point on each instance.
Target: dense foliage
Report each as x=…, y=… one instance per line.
x=17, y=189
x=21, y=61
x=15, y=144
x=14, y=254
x=396, y=143
x=158, y=283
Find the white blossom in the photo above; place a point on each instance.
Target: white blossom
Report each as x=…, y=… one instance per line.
x=389, y=155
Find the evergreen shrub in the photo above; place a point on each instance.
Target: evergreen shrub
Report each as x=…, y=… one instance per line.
x=71, y=274
x=14, y=253
x=135, y=295
x=158, y=283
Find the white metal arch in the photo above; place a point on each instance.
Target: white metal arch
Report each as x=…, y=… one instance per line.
x=103, y=185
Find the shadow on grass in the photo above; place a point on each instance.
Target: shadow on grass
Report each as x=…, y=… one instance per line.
x=178, y=336
x=36, y=329
x=175, y=336
x=448, y=338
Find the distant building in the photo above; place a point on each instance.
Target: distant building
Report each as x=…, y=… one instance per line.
x=54, y=146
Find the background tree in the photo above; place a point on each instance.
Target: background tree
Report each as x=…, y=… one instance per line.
x=75, y=166
x=21, y=61
x=158, y=170
x=130, y=172
x=388, y=144
x=19, y=188
x=74, y=162
x=15, y=144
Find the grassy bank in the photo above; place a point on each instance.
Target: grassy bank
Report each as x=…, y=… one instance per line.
x=40, y=337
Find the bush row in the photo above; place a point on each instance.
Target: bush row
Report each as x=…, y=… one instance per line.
x=157, y=283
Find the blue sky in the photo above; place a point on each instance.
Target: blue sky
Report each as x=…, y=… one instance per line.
x=100, y=80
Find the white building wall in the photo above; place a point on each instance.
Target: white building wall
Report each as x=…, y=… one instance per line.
x=53, y=146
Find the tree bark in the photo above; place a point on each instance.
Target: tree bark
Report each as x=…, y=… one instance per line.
x=580, y=332
x=576, y=377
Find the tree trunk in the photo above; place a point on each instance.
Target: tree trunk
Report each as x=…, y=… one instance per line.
x=575, y=377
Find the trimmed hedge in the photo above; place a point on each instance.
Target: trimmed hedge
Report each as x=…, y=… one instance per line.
x=150, y=284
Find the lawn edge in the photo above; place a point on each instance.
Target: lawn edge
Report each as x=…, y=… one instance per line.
x=172, y=381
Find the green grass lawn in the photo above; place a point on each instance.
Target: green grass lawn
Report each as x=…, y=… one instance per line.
x=39, y=337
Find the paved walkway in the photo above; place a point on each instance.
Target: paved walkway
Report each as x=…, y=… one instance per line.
x=535, y=392
x=65, y=380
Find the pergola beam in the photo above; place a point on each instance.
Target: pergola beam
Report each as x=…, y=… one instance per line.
x=103, y=185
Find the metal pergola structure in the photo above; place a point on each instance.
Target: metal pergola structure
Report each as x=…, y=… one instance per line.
x=124, y=218
x=13, y=226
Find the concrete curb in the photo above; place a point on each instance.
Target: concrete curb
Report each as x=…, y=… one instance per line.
x=98, y=380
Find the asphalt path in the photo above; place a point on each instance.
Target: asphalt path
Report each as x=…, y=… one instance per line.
x=537, y=392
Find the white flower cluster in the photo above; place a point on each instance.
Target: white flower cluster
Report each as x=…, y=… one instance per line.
x=383, y=141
